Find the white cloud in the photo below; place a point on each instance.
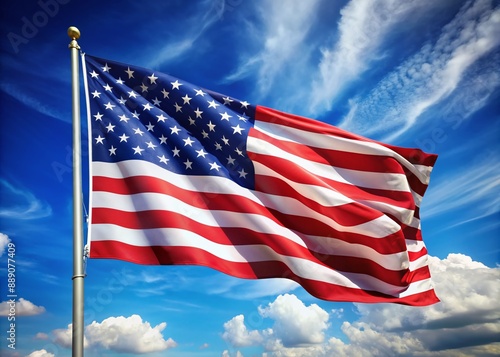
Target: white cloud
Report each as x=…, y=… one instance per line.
x=467, y=316
x=209, y=12
x=429, y=76
x=4, y=240
x=465, y=323
x=120, y=334
x=226, y=353
x=155, y=283
x=362, y=28
x=41, y=336
x=63, y=337
x=476, y=185
x=40, y=353
x=29, y=207
x=31, y=102
x=251, y=289
x=129, y=334
x=282, y=41
x=367, y=341
x=171, y=51
x=473, y=92
x=467, y=289
x=203, y=346
x=22, y=308
x=236, y=333
x=295, y=323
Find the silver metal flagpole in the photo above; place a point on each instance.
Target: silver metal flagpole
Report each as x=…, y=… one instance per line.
x=78, y=273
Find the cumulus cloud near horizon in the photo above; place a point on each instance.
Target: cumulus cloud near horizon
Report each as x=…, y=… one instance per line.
x=120, y=334
x=465, y=322
x=41, y=353
x=23, y=307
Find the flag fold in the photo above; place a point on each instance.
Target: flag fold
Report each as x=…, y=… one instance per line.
x=184, y=175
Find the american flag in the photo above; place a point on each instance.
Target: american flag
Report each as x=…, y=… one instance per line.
x=183, y=175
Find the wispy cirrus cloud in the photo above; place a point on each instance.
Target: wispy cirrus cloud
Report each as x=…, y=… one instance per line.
x=205, y=15
x=31, y=102
x=363, y=27
x=21, y=204
x=280, y=41
x=240, y=289
x=156, y=283
x=431, y=75
x=476, y=185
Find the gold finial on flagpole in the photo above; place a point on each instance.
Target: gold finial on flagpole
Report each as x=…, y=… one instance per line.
x=74, y=34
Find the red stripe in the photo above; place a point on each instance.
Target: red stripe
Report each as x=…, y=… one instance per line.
x=413, y=256
x=411, y=232
x=413, y=155
x=155, y=255
x=273, y=116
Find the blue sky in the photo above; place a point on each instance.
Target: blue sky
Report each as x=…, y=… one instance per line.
x=412, y=73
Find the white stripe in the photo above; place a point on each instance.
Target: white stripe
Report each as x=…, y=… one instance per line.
x=414, y=246
x=377, y=180
x=417, y=198
x=417, y=287
x=330, y=142
x=252, y=253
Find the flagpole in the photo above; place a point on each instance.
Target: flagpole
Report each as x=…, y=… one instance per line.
x=78, y=274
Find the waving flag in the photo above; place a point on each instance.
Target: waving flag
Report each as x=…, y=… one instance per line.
x=184, y=175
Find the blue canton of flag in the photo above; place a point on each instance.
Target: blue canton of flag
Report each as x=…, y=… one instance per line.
x=158, y=118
